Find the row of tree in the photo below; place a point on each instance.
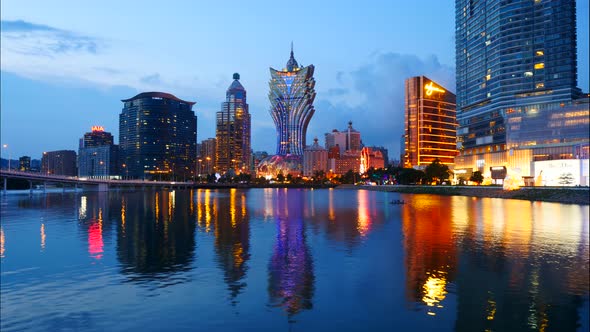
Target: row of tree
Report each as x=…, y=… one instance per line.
x=435, y=173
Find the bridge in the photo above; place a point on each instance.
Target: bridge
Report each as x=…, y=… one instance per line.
x=85, y=183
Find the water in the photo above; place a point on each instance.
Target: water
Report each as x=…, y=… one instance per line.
x=298, y=260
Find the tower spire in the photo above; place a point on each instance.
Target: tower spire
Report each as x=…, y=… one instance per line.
x=291, y=48
x=292, y=63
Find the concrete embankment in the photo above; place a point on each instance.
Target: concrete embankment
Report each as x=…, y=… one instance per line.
x=568, y=195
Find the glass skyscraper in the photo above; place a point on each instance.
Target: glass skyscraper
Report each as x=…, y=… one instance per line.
x=291, y=97
x=511, y=54
x=158, y=137
x=517, y=96
x=233, y=130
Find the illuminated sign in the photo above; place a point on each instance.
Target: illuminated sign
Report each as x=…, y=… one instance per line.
x=97, y=128
x=430, y=88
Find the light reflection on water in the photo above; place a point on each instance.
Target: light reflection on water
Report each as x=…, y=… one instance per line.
x=298, y=259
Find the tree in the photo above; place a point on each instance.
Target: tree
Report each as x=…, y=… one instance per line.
x=280, y=177
x=409, y=176
x=437, y=171
x=476, y=177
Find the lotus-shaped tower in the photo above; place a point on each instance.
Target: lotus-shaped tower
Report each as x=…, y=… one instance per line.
x=291, y=97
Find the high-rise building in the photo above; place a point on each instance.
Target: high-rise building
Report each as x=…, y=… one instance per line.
x=347, y=140
x=24, y=163
x=206, y=158
x=315, y=158
x=233, y=130
x=291, y=97
x=97, y=137
x=98, y=157
x=158, y=136
x=62, y=162
x=515, y=61
x=430, y=123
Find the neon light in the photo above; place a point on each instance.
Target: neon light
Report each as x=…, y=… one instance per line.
x=97, y=128
x=431, y=88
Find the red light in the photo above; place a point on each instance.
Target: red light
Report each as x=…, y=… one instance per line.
x=97, y=128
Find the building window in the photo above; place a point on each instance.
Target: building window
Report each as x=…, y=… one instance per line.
x=539, y=65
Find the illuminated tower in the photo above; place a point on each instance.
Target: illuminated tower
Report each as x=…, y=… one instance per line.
x=233, y=130
x=291, y=97
x=430, y=123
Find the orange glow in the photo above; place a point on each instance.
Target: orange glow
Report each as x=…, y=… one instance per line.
x=97, y=129
x=434, y=291
x=364, y=219
x=430, y=88
x=123, y=212
x=232, y=207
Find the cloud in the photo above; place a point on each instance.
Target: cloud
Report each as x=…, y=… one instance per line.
x=153, y=79
x=32, y=39
x=375, y=102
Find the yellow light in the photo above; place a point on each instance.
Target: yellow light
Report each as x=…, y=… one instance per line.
x=539, y=53
x=539, y=65
x=430, y=88
x=434, y=291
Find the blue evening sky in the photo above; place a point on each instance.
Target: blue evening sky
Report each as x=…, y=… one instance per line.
x=67, y=64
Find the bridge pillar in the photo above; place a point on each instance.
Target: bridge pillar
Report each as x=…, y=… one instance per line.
x=30, y=187
x=44, y=187
x=5, y=185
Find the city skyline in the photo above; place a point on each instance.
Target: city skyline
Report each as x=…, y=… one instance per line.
x=51, y=56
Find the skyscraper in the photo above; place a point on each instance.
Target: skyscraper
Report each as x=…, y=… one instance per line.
x=430, y=123
x=158, y=136
x=347, y=140
x=98, y=157
x=291, y=97
x=233, y=130
x=511, y=57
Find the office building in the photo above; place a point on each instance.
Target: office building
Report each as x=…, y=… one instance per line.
x=347, y=140
x=291, y=97
x=24, y=163
x=315, y=159
x=233, y=131
x=98, y=157
x=97, y=137
x=158, y=137
x=516, y=69
x=430, y=123
x=206, y=157
x=61, y=162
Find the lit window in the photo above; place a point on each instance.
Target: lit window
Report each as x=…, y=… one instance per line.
x=539, y=53
x=539, y=85
x=488, y=76
x=528, y=73
x=539, y=65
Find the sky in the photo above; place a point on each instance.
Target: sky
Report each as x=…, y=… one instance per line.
x=66, y=65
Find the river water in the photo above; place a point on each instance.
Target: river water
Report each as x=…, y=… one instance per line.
x=291, y=260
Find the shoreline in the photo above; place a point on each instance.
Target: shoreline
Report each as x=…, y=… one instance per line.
x=565, y=195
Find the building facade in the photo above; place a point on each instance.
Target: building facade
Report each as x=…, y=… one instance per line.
x=371, y=158
x=61, y=162
x=315, y=159
x=430, y=123
x=206, y=158
x=516, y=79
x=158, y=137
x=24, y=163
x=347, y=140
x=291, y=97
x=233, y=131
x=98, y=157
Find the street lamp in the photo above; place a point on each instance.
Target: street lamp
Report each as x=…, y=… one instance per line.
x=6, y=147
x=126, y=171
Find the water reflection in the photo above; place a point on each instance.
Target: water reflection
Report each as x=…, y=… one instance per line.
x=290, y=271
x=155, y=234
x=232, y=239
x=431, y=255
x=513, y=265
